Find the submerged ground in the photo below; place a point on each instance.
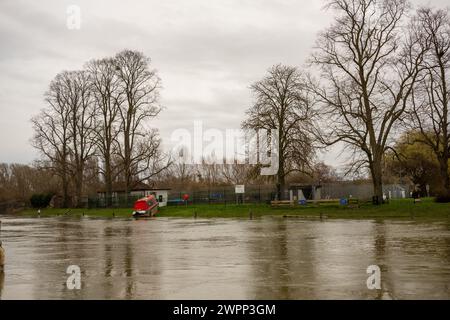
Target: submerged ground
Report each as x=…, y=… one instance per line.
x=230, y=252
x=404, y=208
x=266, y=258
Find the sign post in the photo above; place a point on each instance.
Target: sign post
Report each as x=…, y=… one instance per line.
x=239, y=189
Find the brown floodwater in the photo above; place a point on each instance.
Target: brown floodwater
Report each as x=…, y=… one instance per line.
x=268, y=258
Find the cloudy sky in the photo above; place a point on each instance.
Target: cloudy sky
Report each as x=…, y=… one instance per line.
x=207, y=53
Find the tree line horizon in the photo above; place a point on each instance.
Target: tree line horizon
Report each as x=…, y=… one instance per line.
x=377, y=81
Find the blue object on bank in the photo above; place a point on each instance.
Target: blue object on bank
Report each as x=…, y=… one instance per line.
x=343, y=202
x=302, y=202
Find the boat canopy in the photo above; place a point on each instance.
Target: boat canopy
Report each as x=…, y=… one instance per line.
x=145, y=204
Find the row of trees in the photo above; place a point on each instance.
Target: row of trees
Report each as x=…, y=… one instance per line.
x=101, y=114
x=18, y=182
x=95, y=127
x=377, y=72
x=207, y=174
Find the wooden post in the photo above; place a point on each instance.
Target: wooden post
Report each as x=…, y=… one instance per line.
x=195, y=214
x=251, y=215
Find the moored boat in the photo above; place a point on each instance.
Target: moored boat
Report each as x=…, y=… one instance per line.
x=145, y=207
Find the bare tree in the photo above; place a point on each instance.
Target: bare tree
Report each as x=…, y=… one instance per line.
x=19, y=182
x=430, y=112
x=180, y=169
x=282, y=104
x=323, y=173
x=108, y=97
x=208, y=171
x=237, y=173
x=139, y=149
x=368, y=64
x=52, y=134
x=78, y=96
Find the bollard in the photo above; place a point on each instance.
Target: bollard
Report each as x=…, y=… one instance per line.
x=251, y=214
x=114, y=215
x=320, y=215
x=195, y=214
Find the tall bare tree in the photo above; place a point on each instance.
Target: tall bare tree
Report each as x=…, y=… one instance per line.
x=139, y=149
x=282, y=104
x=78, y=96
x=368, y=64
x=52, y=133
x=430, y=112
x=108, y=97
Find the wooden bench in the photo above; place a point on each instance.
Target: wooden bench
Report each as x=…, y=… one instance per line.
x=282, y=203
x=286, y=203
x=350, y=202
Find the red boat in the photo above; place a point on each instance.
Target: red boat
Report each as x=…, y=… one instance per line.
x=146, y=207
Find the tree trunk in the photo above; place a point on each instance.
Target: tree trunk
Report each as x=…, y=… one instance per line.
x=65, y=189
x=281, y=184
x=281, y=175
x=126, y=193
x=78, y=187
x=445, y=178
x=376, y=172
x=108, y=182
x=127, y=154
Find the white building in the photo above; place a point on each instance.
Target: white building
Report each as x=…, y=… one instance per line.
x=139, y=190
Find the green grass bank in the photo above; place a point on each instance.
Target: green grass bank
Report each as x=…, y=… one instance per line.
x=395, y=209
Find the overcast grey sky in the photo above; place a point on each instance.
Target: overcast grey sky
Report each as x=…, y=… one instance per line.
x=207, y=53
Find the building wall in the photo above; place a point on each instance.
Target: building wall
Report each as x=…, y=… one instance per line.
x=161, y=196
x=361, y=191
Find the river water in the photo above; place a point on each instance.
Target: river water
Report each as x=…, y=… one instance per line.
x=268, y=258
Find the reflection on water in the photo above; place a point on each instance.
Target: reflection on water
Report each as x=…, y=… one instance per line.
x=269, y=258
x=2, y=281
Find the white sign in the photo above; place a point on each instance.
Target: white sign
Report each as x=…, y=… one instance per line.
x=239, y=188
